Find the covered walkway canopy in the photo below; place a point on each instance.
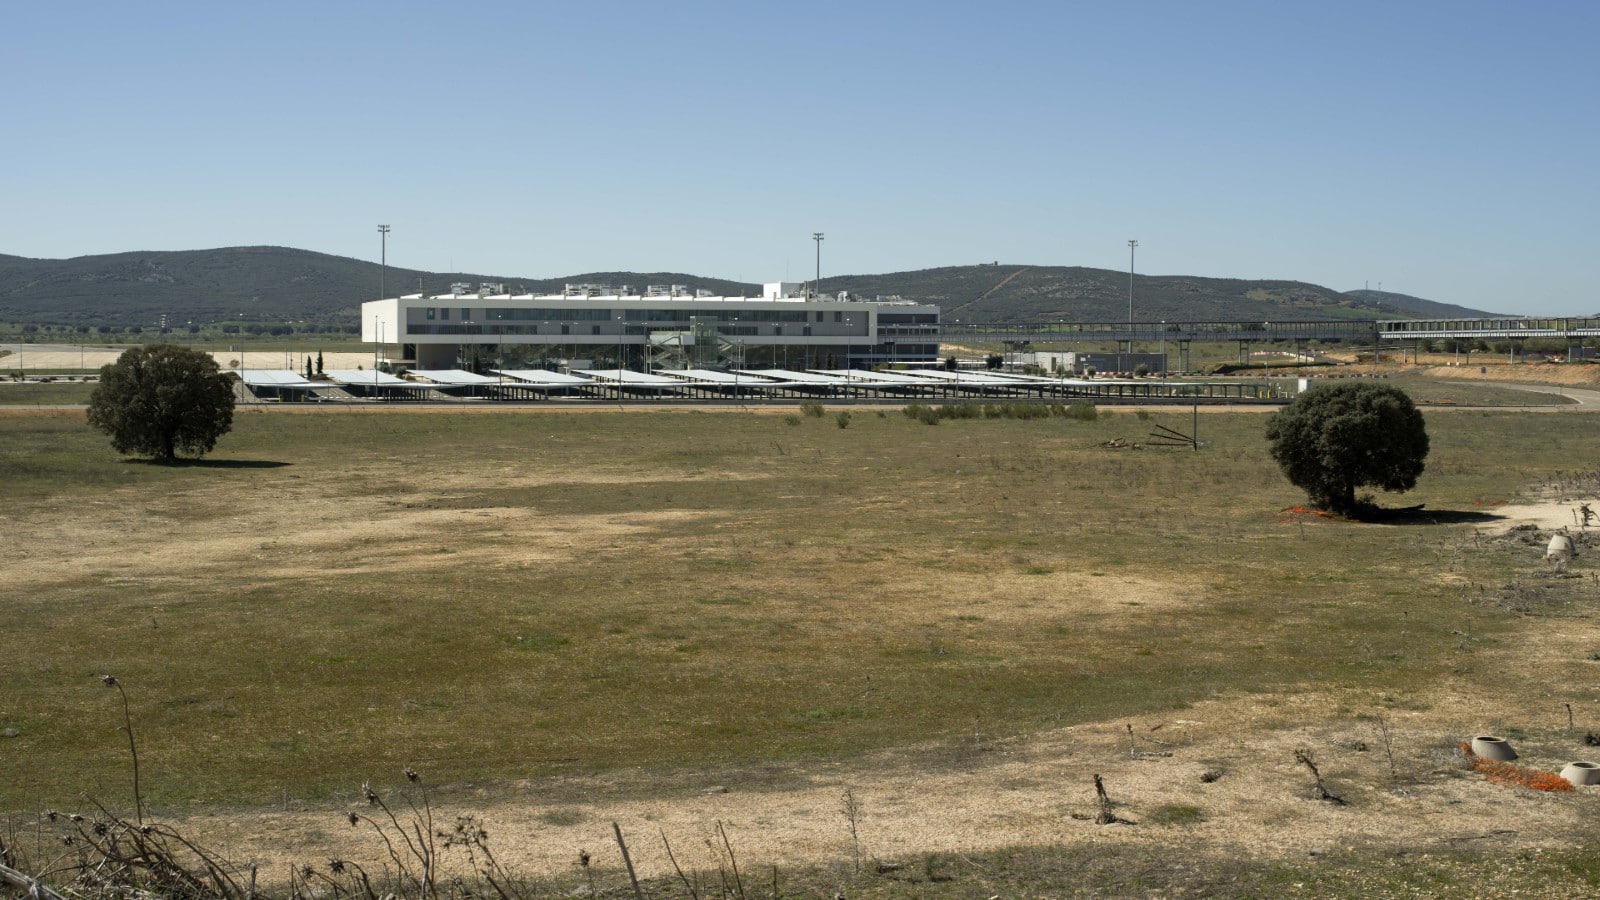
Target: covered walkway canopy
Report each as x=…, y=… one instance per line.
x=453, y=377
x=541, y=384
x=459, y=382
x=791, y=376
x=275, y=378
x=277, y=384
x=735, y=381
x=792, y=383
x=620, y=381
x=545, y=377
x=368, y=376
x=377, y=385
x=880, y=383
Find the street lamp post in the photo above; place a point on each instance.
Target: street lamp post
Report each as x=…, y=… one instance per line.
x=816, y=286
x=383, y=261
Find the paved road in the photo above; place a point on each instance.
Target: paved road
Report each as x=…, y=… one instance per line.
x=1584, y=396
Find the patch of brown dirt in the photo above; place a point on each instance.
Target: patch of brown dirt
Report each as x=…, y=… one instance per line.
x=1548, y=515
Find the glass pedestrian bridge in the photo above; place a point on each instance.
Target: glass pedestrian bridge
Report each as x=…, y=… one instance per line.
x=1333, y=330
x=1500, y=328
x=1348, y=330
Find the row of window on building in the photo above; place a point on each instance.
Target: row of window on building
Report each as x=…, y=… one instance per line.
x=536, y=314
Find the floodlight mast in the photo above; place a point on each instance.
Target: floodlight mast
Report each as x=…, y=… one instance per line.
x=816, y=286
x=383, y=292
x=383, y=261
x=1131, y=245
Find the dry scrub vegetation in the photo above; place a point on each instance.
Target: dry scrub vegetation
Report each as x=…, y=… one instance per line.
x=708, y=627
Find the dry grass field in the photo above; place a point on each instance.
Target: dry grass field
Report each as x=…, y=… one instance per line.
x=670, y=619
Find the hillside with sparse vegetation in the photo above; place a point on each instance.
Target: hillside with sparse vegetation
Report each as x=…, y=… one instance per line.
x=280, y=284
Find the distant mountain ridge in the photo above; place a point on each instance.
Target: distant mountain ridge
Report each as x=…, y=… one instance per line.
x=263, y=284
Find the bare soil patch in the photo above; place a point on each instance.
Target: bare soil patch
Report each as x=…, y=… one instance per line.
x=1547, y=515
x=980, y=795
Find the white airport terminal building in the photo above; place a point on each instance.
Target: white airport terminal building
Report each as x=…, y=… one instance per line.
x=662, y=327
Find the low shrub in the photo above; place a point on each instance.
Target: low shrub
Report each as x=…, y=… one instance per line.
x=962, y=410
x=1082, y=411
x=966, y=410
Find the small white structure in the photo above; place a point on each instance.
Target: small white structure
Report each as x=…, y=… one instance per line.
x=1560, y=550
x=1077, y=362
x=1582, y=773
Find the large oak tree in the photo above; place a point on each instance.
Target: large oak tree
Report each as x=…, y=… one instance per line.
x=1335, y=438
x=161, y=401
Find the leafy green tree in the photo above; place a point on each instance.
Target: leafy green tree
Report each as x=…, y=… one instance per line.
x=1335, y=438
x=162, y=400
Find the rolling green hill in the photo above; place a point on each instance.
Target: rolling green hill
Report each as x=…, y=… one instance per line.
x=253, y=283
x=1019, y=293
x=280, y=284
x=1416, y=306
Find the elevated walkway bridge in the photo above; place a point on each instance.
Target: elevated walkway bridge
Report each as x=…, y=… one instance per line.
x=1147, y=332
x=1397, y=333
x=1500, y=329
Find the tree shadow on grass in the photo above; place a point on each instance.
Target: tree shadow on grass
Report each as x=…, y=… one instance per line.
x=1417, y=515
x=211, y=463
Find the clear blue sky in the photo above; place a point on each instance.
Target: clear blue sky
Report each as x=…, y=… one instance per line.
x=1446, y=150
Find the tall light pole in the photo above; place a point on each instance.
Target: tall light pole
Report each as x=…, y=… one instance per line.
x=383, y=261
x=816, y=286
x=1131, y=245
x=383, y=265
